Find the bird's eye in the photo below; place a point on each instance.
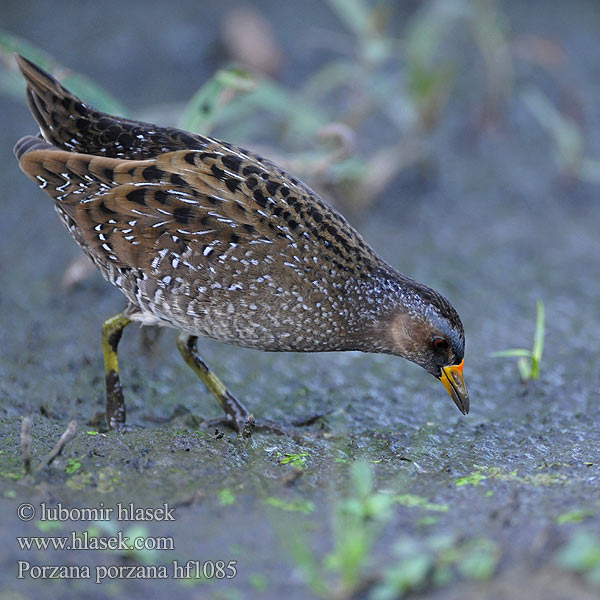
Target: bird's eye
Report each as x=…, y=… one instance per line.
x=440, y=344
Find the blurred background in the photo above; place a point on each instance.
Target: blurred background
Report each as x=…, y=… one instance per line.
x=356, y=96
x=462, y=137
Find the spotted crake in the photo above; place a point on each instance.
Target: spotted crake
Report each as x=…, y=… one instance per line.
x=215, y=241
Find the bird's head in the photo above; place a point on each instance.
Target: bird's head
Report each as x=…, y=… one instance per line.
x=427, y=330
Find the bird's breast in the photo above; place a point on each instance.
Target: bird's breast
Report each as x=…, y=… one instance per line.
x=262, y=296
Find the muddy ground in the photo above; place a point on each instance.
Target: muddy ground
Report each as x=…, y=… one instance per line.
x=493, y=225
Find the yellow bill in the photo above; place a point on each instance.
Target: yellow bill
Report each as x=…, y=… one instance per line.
x=453, y=380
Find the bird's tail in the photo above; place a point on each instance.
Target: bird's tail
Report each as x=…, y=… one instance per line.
x=69, y=124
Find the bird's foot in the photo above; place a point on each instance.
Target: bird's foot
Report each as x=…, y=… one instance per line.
x=249, y=424
x=237, y=416
x=123, y=428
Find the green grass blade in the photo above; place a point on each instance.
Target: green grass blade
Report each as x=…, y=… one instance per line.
x=332, y=76
x=540, y=331
x=527, y=368
x=303, y=120
x=202, y=110
x=567, y=136
x=11, y=81
x=427, y=29
x=513, y=352
x=13, y=44
x=538, y=341
x=355, y=15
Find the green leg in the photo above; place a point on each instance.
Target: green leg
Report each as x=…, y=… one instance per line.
x=112, y=330
x=236, y=413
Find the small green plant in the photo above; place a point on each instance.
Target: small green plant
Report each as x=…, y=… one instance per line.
x=73, y=465
x=434, y=562
x=530, y=361
x=418, y=501
x=303, y=506
x=350, y=569
x=297, y=460
x=358, y=522
x=226, y=497
x=473, y=479
x=202, y=109
x=575, y=516
x=581, y=554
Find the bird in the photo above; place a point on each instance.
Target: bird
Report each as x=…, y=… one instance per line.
x=217, y=242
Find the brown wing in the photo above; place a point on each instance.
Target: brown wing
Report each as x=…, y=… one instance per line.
x=191, y=203
x=196, y=189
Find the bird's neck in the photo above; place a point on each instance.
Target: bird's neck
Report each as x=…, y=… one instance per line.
x=374, y=303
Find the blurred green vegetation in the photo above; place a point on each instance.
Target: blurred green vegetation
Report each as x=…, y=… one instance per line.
x=581, y=554
x=12, y=84
x=406, y=80
x=419, y=562
x=358, y=520
x=350, y=570
x=435, y=562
